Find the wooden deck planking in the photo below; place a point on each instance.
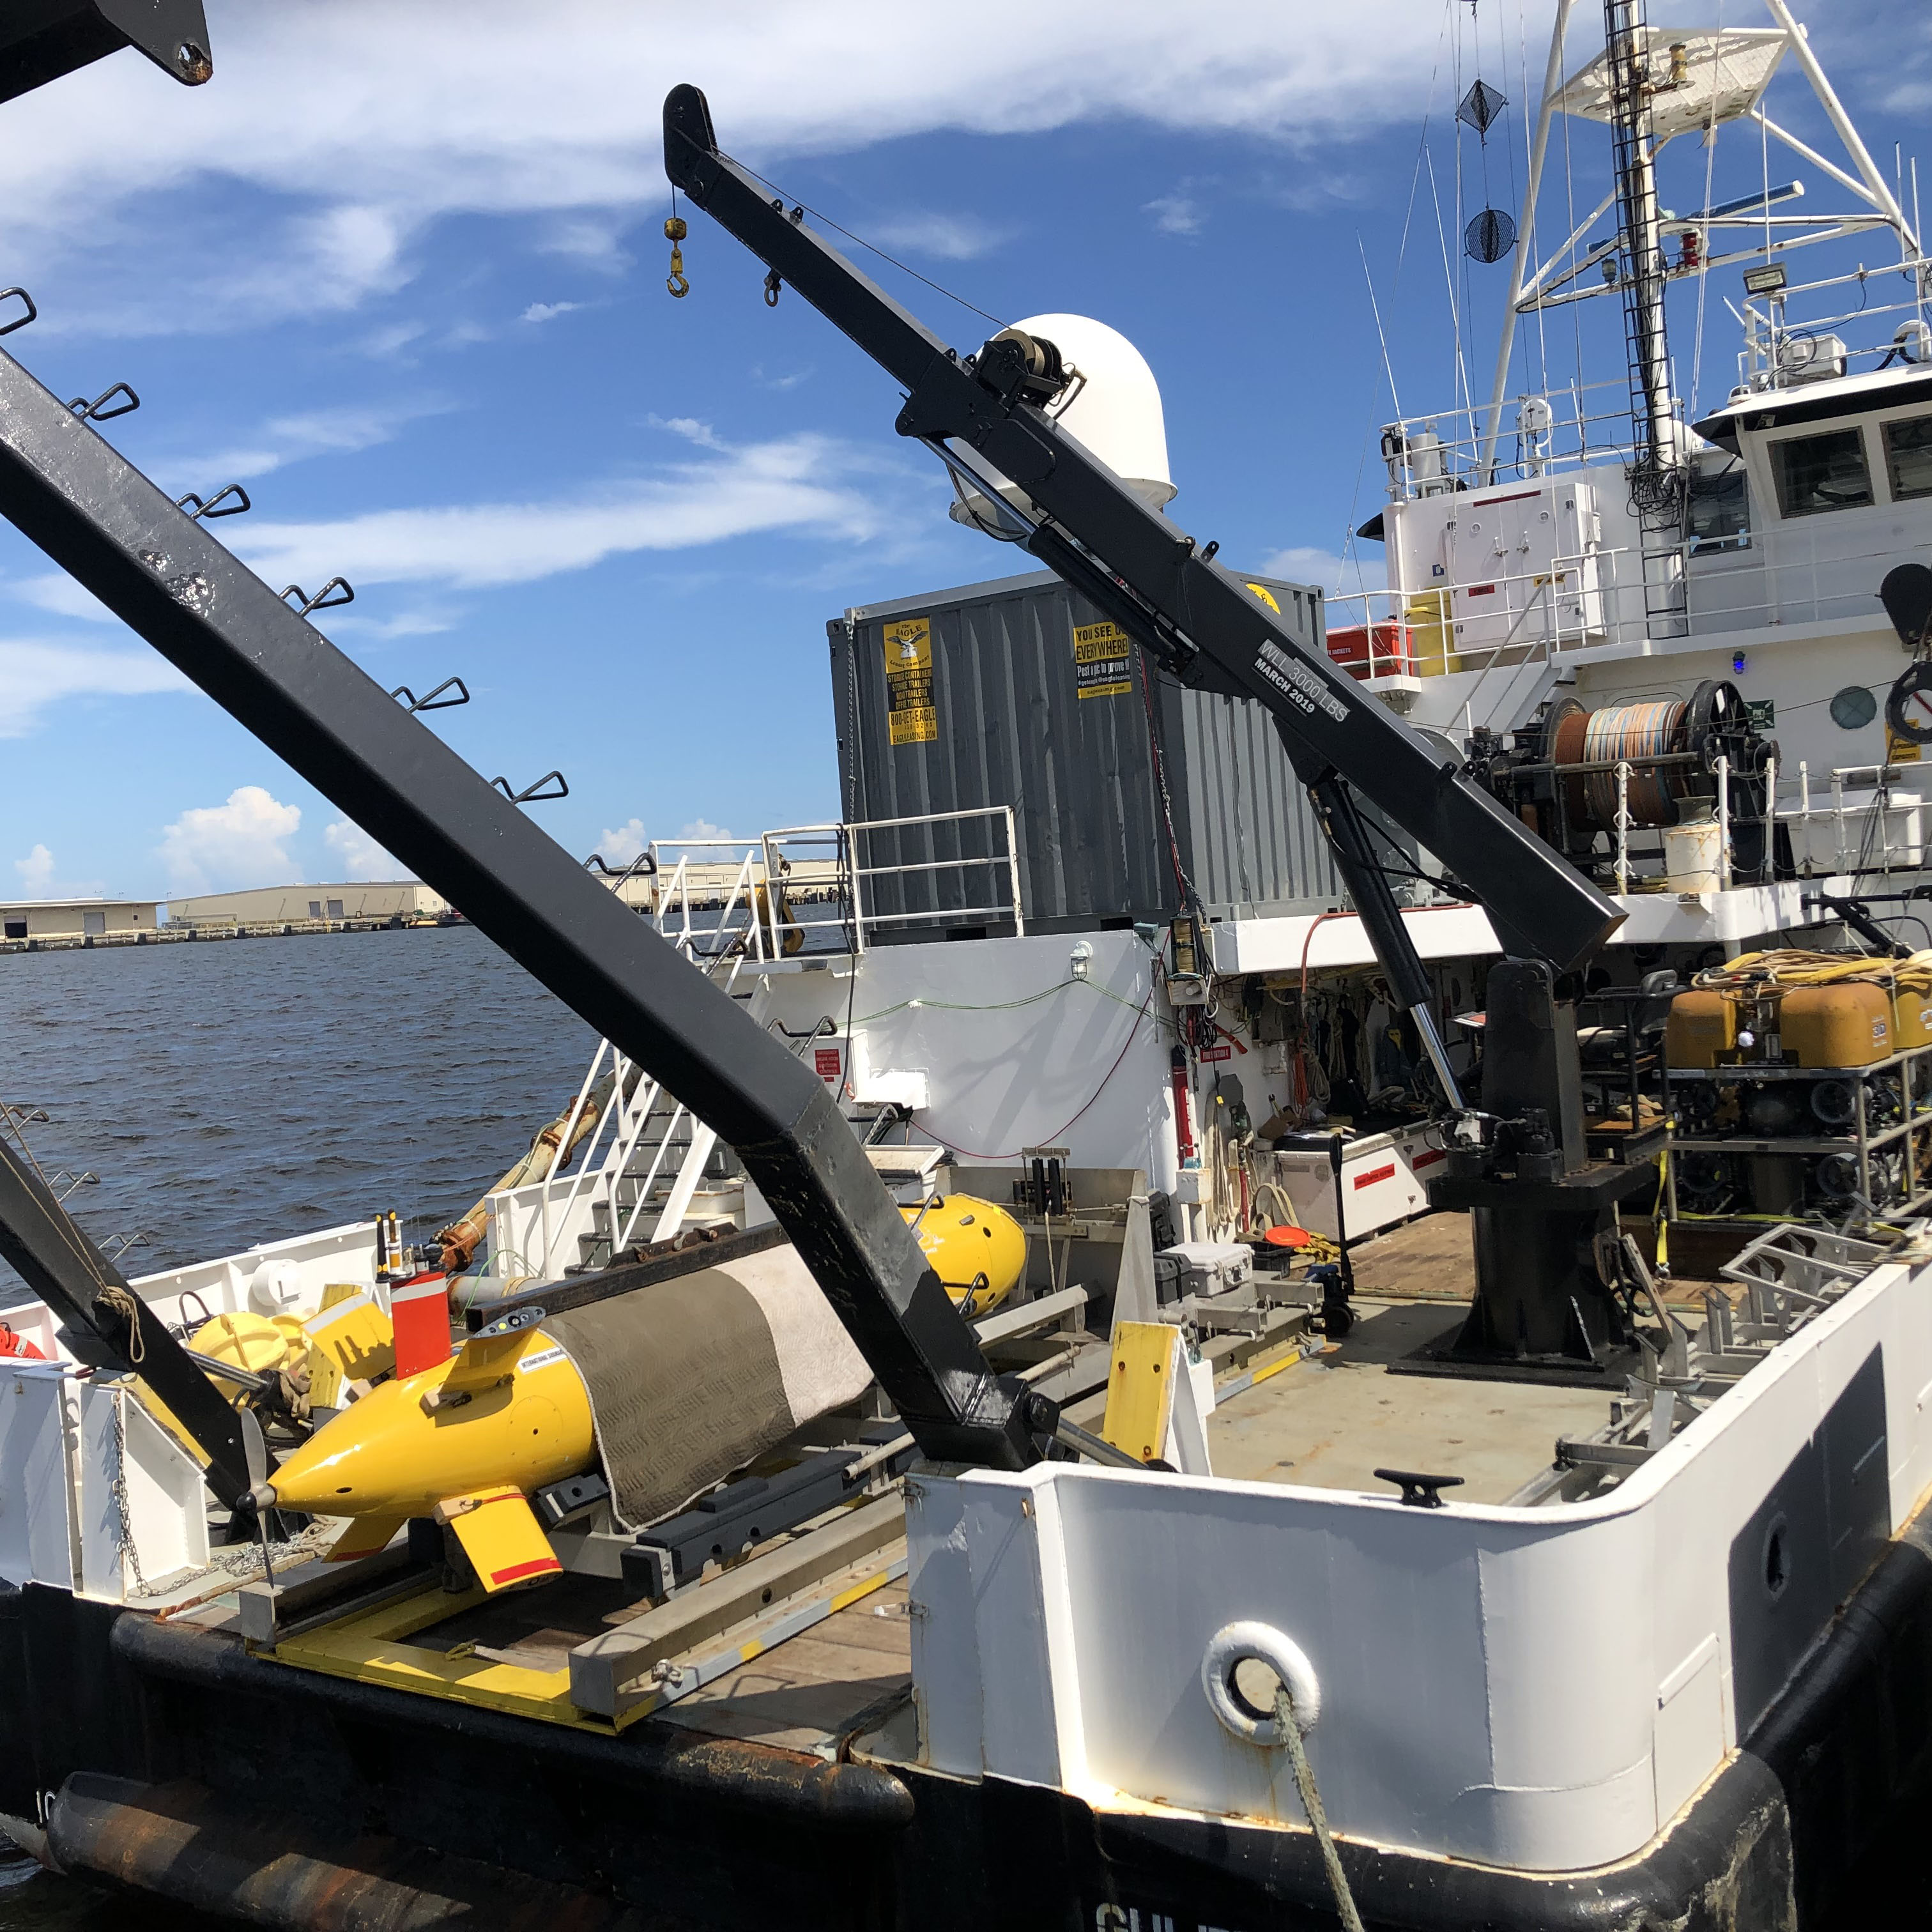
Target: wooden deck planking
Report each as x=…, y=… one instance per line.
x=807, y=1693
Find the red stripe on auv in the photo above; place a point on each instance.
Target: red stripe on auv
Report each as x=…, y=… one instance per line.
x=1429, y=1159
x=535, y=1567
x=1375, y=1174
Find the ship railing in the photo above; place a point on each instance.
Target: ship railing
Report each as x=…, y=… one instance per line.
x=1863, y=818
x=1556, y=429
x=1859, y=823
x=1571, y=603
x=1765, y=362
x=1796, y=573
x=1803, y=572
x=709, y=908
x=723, y=913
x=865, y=893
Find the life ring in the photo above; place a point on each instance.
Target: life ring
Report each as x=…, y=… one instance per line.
x=11, y=1344
x=1235, y=1644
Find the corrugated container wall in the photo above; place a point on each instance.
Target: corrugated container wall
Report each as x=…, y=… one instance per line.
x=1017, y=693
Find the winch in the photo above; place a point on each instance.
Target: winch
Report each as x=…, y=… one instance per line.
x=1560, y=773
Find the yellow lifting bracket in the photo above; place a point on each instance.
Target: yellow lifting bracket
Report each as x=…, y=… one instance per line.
x=1147, y=1361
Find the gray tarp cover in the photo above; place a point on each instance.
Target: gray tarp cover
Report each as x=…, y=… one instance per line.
x=692, y=1378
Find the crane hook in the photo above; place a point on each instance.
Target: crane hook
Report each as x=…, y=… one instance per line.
x=675, y=231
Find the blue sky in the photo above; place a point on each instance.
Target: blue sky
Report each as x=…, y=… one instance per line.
x=399, y=268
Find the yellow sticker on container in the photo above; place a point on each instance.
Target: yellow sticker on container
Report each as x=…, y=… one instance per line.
x=1101, y=666
x=1899, y=749
x=910, y=717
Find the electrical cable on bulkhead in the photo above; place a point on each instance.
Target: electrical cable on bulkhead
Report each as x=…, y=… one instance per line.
x=845, y=1092
x=1190, y=899
x=1003, y=1006
x=1013, y=1153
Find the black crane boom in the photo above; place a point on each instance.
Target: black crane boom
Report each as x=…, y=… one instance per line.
x=1199, y=618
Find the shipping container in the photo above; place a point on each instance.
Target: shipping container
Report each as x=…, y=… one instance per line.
x=1018, y=693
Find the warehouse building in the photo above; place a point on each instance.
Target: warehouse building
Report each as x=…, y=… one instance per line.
x=75, y=919
x=361, y=903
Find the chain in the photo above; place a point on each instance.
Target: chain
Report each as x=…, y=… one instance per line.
x=130, y=1557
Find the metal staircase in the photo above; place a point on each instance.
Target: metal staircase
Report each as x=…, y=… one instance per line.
x=648, y=1164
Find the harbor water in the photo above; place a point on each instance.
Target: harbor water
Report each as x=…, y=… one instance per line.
x=244, y=1091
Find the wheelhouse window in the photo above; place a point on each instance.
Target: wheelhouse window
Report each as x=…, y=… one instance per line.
x=1817, y=473
x=1908, y=457
x=1720, y=511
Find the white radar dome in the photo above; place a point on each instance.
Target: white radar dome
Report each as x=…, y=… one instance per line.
x=1112, y=405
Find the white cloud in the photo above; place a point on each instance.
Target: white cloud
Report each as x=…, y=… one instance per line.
x=690, y=428
x=952, y=238
x=1336, y=576
x=36, y=870
x=544, y=311
x=592, y=241
x=58, y=592
x=620, y=846
x=356, y=856
x=228, y=846
x=40, y=879
x=402, y=122
x=424, y=622
x=1175, y=214
x=34, y=675
x=791, y=484
x=343, y=430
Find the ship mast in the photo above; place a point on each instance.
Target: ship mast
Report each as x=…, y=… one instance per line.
x=1656, y=476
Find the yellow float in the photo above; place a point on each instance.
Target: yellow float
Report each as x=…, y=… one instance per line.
x=977, y=1250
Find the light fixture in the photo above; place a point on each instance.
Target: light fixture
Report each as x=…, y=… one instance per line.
x=1081, y=958
x=1768, y=281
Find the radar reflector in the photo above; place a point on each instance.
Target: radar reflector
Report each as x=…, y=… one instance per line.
x=1698, y=76
x=1489, y=236
x=1479, y=107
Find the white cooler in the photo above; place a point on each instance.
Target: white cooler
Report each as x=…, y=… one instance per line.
x=1384, y=1179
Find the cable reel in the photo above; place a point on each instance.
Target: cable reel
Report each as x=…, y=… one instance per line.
x=1558, y=773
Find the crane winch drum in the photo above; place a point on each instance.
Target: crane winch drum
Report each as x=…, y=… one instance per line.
x=1559, y=773
x=1102, y=391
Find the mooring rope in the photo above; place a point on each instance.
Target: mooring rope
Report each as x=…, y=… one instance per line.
x=1311, y=1803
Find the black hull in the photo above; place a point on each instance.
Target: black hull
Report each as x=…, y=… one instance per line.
x=169, y=1762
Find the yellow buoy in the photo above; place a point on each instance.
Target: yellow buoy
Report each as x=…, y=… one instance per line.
x=261, y=1343
x=977, y=1250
